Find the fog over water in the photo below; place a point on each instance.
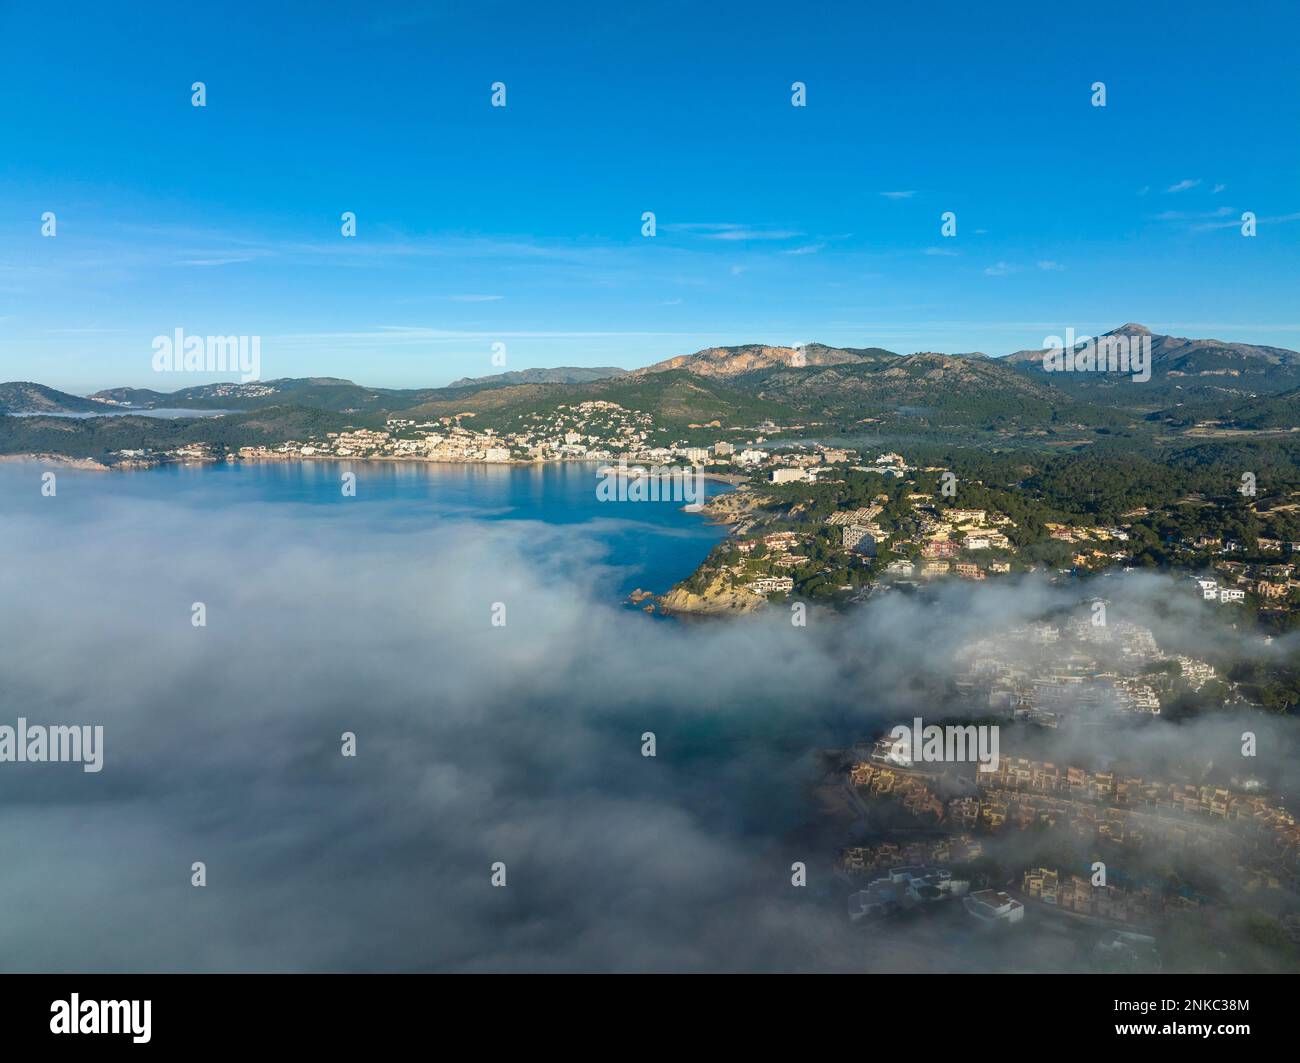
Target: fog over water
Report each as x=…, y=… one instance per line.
x=160, y=412
x=476, y=743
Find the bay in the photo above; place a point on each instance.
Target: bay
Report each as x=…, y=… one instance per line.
x=648, y=545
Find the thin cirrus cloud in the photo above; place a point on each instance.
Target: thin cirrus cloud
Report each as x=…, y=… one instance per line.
x=405, y=334
x=899, y=195
x=1232, y=223
x=731, y=231
x=756, y=234
x=1003, y=269
x=1184, y=185
x=227, y=261
x=1182, y=215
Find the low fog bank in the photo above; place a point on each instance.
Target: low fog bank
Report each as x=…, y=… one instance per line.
x=476, y=744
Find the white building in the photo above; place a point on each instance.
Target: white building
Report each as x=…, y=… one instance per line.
x=903, y=888
x=785, y=476
x=1209, y=589
x=993, y=907
x=859, y=537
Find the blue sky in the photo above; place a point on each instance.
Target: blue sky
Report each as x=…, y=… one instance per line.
x=522, y=225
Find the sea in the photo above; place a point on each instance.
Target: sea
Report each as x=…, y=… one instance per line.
x=649, y=545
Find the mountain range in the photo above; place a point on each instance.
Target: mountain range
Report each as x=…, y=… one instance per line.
x=1194, y=382
x=564, y=374
x=24, y=397
x=1182, y=370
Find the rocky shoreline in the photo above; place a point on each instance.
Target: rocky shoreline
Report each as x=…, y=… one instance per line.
x=734, y=509
x=717, y=599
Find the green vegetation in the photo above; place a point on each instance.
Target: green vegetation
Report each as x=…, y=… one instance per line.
x=97, y=437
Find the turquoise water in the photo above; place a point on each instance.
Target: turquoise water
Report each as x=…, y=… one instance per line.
x=651, y=545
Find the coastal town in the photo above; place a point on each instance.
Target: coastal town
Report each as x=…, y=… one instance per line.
x=835, y=526
x=830, y=523
x=1067, y=826
x=594, y=430
x=1041, y=840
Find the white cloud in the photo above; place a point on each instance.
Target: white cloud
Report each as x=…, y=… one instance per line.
x=1184, y=185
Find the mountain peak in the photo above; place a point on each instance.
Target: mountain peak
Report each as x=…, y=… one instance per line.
x=1130, y=329
x=753, y=357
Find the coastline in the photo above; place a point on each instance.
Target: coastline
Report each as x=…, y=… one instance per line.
x=732, y=479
